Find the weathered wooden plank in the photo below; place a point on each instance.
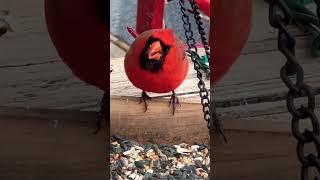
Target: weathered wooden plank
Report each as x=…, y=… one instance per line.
x=32, y=73
x=128, y=117
x=51, y=148
x=256, y=155
x=48, y=85
x=244, y=111
x=29, y=43
x=158, y=124
x=187, y=125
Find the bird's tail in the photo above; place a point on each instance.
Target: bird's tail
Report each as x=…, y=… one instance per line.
x=132, y=32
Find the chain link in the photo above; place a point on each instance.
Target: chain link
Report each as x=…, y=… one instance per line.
x=210, y=115
x=279, y=18
x=196, y=14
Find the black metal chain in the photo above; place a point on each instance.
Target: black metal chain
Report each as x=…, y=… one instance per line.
x=202, y=32
x=210, y=115
x=318, y=7
x=192, y=49
x=279, y=18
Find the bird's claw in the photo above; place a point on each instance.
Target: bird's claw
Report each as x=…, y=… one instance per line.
x=144, y=98
x=174, y=101
x=4, y=25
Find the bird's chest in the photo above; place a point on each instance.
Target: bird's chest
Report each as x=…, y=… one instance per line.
x=165, y=80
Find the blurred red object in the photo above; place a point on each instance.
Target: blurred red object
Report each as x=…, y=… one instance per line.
x=80, y=38
x=229, y=31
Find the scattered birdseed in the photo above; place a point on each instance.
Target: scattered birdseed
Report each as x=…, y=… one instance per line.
x=130, y=160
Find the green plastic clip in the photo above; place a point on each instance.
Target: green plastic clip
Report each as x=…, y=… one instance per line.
x=204, y=63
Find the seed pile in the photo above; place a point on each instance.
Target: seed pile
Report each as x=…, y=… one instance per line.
x=132, y=161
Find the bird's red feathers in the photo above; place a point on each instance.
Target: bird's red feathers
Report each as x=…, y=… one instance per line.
x=173, y=72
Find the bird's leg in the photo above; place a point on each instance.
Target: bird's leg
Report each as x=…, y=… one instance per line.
x=144, y=98
x=174, y=101
x=103, y=114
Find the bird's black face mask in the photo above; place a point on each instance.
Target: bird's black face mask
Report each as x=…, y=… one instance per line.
x=152, y=64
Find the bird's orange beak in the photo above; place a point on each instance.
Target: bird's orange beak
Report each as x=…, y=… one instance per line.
x=155, y=51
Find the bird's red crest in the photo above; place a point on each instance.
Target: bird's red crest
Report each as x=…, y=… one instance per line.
x=166, y=36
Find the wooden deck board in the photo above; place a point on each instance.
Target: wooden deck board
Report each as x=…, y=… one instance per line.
x=256, y=156
x=33, y=75
x=38, y=147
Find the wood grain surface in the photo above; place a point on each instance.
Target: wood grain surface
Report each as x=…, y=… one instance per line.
x=46, y=144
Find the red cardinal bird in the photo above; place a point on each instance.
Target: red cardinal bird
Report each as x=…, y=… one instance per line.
x=156, y=62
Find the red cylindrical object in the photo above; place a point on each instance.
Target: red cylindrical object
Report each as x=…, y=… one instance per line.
x=80, y=38
x=229, y=30
x=150, y=15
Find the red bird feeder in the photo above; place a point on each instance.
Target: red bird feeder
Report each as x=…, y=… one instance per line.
x=80, y=38
x=79, y=32
x=229, y=31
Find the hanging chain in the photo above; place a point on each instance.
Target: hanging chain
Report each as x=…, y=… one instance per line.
x=197, y=17
x=279, y=18
x=210, y=115
x=202, y=32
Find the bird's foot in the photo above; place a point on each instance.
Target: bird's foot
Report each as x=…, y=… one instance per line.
x=4, y=27
x=144, y=98
x=103, y=114
x=174, y=101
